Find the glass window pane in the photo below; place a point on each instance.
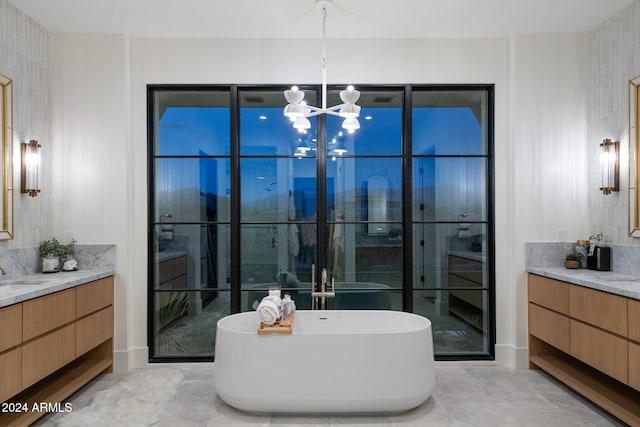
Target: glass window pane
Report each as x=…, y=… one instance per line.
x=193, y=256
x=450, y=189
x=186, y=322
x=364, y=189
x=278, y=189
x=272, y=251
x=367, y=261
x=449, y=122
x=380, y=131
x=449, y=256
x=265, y=131
x=192, y=122
x=192, y=189
x=454, y=332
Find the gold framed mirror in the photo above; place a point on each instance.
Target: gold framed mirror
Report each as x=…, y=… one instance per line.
x=6, y=168
x=634, y=151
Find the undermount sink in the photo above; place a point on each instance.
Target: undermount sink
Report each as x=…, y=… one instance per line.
x=22, y=282
x=614, y=278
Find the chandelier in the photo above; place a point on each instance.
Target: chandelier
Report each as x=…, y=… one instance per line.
x=297, y=109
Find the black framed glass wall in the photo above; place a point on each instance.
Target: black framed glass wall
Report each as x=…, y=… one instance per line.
x=452, y=217
x=189, y=219
x=396, y=212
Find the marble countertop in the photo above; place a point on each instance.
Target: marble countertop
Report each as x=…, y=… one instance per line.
x=23, y=288
x=607, y=281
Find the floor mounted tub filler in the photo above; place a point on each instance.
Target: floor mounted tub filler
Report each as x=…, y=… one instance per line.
x=342, y=361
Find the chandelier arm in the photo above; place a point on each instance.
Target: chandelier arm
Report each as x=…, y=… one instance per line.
x=318, y=112
x=333, y=113
x=311, y=107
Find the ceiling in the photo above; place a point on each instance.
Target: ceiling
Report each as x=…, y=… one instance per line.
x=389, y=19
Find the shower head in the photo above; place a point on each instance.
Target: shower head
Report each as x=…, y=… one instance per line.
x=268, y=187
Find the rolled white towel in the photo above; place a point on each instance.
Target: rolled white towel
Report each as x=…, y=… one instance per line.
x=269, y=310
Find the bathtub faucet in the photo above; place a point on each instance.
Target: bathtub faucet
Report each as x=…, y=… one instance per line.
x=323, y=294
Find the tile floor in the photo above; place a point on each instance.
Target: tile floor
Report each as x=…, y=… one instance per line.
x=465, y=395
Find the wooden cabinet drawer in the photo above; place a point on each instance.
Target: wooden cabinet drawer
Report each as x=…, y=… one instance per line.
x=549, y=326
x=93, y=330
x=46, y=313
x=47, y=354
x=634, y=365
x=94, y=296
x=172, y=268
x=549, y=293
x=605, y=352
x=633, y=305
x=601, y=309
x=467, y=268
x=10, y=326
x=10, y=379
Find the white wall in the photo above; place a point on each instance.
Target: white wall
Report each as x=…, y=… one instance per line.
x=93, y=163
x=544, y=169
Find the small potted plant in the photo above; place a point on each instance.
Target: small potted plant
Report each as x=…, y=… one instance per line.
x=572, y=260
x=67, y=253
x=52, y=253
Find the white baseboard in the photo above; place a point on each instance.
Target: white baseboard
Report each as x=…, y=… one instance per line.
x=133, y=358
x=510, y=356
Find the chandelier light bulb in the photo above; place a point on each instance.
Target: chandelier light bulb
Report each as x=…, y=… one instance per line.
x=351, y=124
x=294, y=111
x=349, y=110
x=302, y=124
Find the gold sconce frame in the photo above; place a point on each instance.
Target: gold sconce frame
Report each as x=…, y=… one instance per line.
x=30, y=169
x=609, y=166
x=634, y=157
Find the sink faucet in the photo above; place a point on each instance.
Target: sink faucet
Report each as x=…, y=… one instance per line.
x=323, y=294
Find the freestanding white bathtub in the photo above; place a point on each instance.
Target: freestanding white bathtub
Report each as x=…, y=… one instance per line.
x=360, y=361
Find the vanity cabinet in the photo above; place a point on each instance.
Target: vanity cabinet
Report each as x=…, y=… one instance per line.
x=589, y=340
x=52, y=345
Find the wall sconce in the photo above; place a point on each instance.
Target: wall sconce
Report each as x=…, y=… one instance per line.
x=30, y=173
x=609, y=166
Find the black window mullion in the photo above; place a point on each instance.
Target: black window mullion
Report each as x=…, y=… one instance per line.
x=407, y=203
x=151, y=91
x=235, y=248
